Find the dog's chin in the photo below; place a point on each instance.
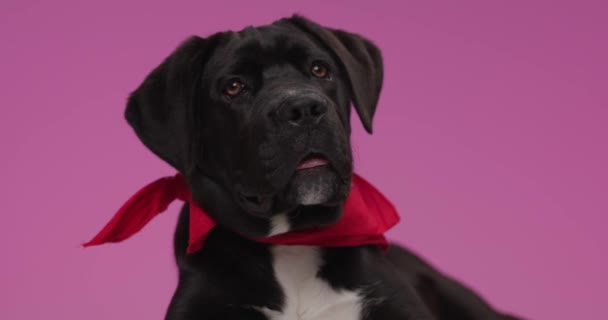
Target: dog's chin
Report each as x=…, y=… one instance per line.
x=313, y=186
x=316, y=186
x=309, y=194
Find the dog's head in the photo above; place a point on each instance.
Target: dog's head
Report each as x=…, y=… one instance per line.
x=258, y=121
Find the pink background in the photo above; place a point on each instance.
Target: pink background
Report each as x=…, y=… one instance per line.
x=490, y=138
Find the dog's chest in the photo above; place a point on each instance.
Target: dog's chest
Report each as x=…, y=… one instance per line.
x=308, y=297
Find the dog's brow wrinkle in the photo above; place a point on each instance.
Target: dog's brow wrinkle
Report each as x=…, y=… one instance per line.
x=290, y=92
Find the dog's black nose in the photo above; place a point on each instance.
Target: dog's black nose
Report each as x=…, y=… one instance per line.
x=302, y=112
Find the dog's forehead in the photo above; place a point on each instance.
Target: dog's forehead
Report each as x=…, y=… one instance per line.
x=270, y=42
x=272, y=38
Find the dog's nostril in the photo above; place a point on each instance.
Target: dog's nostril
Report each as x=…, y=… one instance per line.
x=302, y=112
x=317, y=110
x=295, y=114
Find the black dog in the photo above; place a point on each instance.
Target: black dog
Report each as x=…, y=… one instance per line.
x=257, y=121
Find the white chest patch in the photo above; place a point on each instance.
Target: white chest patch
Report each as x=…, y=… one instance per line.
x=308, y=297
x=279, y=224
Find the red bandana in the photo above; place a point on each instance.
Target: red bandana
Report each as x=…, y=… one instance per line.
x=367, y=215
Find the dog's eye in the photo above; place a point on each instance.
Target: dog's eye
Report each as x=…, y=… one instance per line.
x=319, y=70
x=234, y=88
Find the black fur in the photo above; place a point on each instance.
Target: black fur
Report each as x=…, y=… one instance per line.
x=239, y=155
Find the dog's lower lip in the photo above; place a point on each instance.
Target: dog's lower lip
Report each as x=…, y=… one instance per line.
x=258, y=204
x=312, y=162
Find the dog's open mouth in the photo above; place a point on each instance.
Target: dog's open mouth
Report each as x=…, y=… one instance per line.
x=312, y=161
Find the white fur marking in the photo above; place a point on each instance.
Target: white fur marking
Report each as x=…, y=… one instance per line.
x=308, y=297
x=279, y=224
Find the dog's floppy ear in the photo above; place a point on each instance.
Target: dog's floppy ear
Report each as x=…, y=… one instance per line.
x=159, y=110
x=361, y=60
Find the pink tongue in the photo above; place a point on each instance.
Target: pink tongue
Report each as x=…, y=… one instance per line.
x=311, y=163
